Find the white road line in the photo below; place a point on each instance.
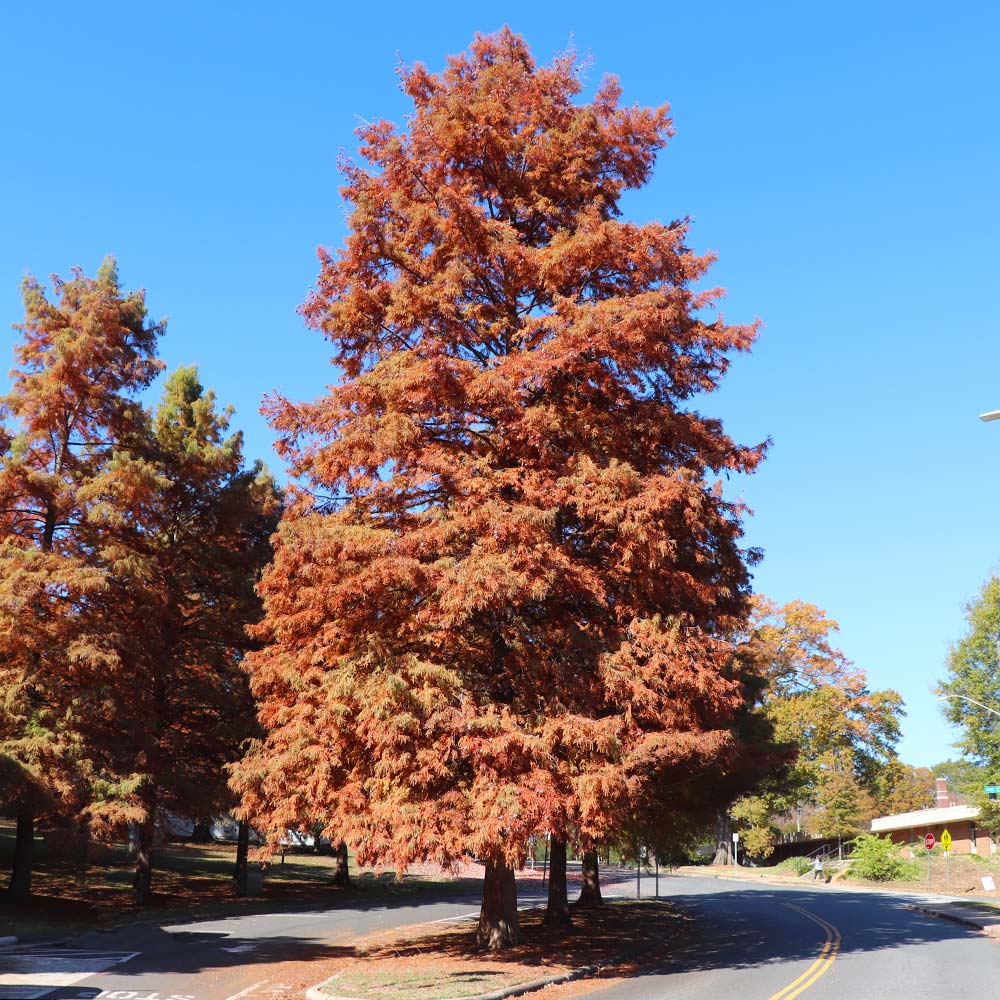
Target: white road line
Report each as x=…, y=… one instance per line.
x=454, y=920
x=34, y=973
x=249, y=989
x=469, y=916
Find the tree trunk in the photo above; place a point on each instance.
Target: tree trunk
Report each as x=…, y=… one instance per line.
x=342, y=874
x=590, y=887
x=498, y=921
x=557, y=911
x=19, y=890
x=202, y=833
x=723, y=839
x=242, y=852
x=146, y=830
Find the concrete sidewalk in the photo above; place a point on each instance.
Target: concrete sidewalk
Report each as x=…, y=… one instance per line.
x=984, y=919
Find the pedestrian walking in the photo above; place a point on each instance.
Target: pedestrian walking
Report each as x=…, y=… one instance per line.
x=817, y=869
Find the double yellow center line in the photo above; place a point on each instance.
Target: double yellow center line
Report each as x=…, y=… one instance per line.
x=822, y=964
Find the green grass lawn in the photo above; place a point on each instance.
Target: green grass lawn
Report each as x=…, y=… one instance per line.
x=74, y=891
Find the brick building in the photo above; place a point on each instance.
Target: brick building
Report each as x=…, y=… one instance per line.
x=950, y=814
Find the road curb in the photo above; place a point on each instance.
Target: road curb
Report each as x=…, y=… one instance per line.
x=318, y=993
x=750, y=880
x=991, y=930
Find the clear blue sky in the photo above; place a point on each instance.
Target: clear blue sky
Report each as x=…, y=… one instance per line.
x=841, y=158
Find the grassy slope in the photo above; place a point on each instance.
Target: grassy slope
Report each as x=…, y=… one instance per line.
x=73, y=893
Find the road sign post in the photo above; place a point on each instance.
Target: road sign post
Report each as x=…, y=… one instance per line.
x=929, y=844
x=946, y=847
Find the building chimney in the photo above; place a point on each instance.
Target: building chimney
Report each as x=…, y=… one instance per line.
x=942, y=798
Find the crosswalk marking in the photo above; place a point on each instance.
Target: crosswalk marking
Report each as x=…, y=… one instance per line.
x=30, y=973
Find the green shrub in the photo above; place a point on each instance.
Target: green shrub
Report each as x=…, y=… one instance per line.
x=799, y=865
x=919, y=851
x=878, y=858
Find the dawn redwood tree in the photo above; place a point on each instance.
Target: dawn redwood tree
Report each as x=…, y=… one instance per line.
x=184, y=530
x=557, y=907
x=83, y=353
x=497, y=593
x=590, y=880
x=41, y=772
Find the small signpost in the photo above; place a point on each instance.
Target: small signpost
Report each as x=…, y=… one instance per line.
x=946, y=847
x=736, y=844
x=929, y=844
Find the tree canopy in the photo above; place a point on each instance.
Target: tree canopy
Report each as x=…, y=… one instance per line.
x=81, y=357
x=971, y=687
x=129, y=546
x=844, y=732
x=500, y=593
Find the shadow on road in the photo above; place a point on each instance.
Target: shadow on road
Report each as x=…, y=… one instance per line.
x=745, y=928
x=724, y=928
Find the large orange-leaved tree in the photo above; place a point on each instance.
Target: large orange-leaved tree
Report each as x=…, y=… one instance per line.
x=184, y=530
x=498, y=594
x=83, y=354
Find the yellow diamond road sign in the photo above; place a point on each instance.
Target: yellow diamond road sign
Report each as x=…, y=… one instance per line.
x=946, y=840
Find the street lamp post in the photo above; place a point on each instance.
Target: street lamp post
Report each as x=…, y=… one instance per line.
x=972, y=701
x=992, y=415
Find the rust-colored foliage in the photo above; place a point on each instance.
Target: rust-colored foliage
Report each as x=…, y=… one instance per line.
x=492, y=605
x=81, y=356
x=184, y=531
x=129, y=549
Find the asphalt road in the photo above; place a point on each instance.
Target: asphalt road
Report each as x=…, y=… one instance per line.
x=754, y=941
x=220, y=959
x=819, y=942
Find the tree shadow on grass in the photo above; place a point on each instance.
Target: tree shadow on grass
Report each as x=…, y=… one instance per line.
x=54, y=915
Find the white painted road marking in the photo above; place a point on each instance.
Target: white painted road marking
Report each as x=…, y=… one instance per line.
x=140, y=995
x=258, y=992
x=37, y=992
x=464, y=916
x=30, y=973
x=249, y=989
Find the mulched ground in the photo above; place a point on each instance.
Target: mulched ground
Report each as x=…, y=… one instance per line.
x=429, y=961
